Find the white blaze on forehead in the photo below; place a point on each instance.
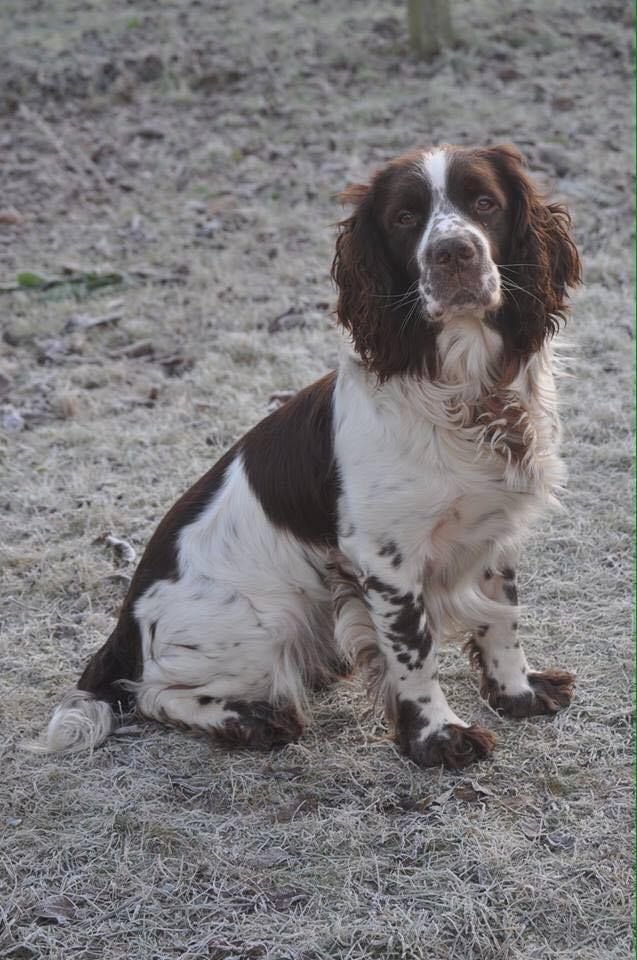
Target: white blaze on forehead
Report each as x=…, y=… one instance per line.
x=445, y=217
x=435, y=167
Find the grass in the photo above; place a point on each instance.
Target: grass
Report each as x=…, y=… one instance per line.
x=160, y=846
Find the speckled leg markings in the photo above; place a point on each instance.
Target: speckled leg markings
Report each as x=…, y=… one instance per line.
x=507, y=682
x=390, y=619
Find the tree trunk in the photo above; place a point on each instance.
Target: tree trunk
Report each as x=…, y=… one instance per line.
x=429, y=26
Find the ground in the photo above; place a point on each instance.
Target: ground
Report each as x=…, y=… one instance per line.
x=169, y=169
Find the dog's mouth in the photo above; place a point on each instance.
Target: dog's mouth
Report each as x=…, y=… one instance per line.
x=471, y=296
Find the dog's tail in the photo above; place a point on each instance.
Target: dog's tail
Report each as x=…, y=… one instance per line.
x=80, y=722
x=89, y=714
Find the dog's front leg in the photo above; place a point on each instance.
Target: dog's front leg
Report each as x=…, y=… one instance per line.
x=380, y=618
x=507, y=682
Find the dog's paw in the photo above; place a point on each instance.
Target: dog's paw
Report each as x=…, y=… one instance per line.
x=549, y=691
x=452, y=746
x=258, y=726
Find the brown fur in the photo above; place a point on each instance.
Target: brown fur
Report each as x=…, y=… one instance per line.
x=540, y=262
x=373, y=283
x=260, y=726
x=289, y=462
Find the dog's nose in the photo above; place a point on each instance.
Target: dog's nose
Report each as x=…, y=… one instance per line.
x=453, y=252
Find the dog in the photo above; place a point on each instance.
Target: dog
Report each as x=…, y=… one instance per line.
x=382, y=507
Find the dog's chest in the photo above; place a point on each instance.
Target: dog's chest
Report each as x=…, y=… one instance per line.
x=430, y=486
x=428, y=490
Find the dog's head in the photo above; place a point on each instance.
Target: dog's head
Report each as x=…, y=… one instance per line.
x=451, y=234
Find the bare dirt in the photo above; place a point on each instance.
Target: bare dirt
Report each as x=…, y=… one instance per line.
x=168, y=173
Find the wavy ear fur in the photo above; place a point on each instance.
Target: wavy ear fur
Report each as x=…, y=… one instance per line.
x=541, y=262
x=374, y=303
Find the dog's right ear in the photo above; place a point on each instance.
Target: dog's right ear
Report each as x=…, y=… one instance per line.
x=354, y=194
x=364, y=280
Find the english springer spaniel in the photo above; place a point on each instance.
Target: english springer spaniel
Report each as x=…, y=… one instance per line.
x=380, y=508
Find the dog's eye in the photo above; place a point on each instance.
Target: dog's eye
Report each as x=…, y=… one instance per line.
x=485, y=204
x=406, y=218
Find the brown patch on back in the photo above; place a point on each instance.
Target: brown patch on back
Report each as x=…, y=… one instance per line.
x=289, y=461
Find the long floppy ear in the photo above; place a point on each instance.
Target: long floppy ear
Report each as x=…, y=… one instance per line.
x=374, y=301
x=540, y=263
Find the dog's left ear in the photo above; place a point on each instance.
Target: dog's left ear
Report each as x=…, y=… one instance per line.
x=542, y=260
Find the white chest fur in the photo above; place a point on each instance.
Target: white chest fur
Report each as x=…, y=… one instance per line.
x=441, y=470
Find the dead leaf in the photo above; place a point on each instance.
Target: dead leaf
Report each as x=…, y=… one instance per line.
x=55, y=909
x=65, y=405
x=563, y=103
x=532, y=830
x=464, y=791
x=11, y=216
x=285, y=898
x=122, y=548
x=419, y=805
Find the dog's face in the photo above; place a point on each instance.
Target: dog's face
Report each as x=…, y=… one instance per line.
x=445, y=220
x=450, y=233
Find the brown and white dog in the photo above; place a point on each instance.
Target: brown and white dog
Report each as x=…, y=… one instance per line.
x=381, y=507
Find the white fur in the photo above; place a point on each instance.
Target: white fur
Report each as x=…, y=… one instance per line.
x=247, y=599
x=80, y=722
x=435, y=167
